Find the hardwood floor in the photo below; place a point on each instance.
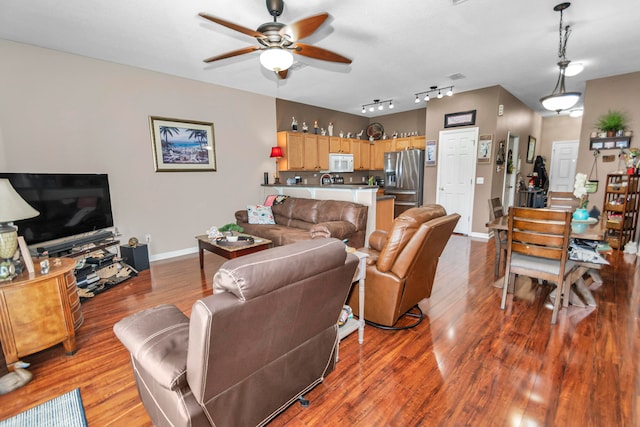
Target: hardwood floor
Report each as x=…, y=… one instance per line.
x=468, y=363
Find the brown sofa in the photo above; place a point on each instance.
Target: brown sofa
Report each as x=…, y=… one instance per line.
x=266, y=336
x=402, y=264
x=298, y=219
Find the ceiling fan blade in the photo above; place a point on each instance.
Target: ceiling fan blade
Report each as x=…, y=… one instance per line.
x=303, y=28
x=233, y=53
x=282, y=74
x=236, y=27
x=319, y=53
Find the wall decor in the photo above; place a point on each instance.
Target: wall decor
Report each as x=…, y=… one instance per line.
x=464, y=118
x=531, y=149
x=484, y=148
x=430, y=153
x=182, y=145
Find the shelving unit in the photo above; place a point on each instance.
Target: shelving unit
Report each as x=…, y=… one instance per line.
x=621, y=203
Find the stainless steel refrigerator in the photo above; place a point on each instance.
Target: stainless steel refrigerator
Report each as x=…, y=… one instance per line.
x=404, y=178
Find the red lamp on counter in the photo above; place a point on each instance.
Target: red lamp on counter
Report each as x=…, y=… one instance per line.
x=276, y=153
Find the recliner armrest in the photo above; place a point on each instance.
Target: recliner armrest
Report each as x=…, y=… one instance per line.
x=158, y=339
x=378, y=239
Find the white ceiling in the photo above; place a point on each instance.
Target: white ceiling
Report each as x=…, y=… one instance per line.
x=398, y=48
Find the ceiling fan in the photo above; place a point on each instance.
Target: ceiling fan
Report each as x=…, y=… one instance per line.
x=278, y=41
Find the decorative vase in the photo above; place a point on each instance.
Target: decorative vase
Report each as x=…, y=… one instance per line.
x=581, y=214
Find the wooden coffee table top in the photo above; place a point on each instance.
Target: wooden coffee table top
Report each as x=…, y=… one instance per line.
x=233, y=249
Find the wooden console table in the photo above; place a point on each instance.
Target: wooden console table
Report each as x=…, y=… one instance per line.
x=38, y=311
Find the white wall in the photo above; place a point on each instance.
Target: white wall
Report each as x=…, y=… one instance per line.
x=67, y=113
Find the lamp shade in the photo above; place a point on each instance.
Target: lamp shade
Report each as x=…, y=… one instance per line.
x=276, y=152
x=12, y=206
x=276, y=59
x=560, y=101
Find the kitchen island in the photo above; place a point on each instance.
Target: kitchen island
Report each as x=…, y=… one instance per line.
x=356, y=193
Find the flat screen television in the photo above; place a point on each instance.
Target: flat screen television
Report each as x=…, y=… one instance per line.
x=69, y=204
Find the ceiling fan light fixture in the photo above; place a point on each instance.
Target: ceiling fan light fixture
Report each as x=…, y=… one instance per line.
x=276, y=59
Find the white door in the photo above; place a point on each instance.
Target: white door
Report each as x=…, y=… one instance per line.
x=456, y=172
x=509, y=189
x=563, y=165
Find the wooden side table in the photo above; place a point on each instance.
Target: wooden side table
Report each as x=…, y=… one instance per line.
x=38, y=311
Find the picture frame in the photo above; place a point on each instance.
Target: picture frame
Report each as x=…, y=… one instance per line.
x=463, y=118
x=484, y=148
x=26, y=255
x=182, y=145
x=430, y=154
x=531, y=149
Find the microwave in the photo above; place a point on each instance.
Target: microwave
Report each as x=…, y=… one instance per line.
x=340, y=163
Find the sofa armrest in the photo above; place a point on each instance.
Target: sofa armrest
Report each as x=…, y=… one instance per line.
x=158, y=339
x=242, y=216
x=338, y=229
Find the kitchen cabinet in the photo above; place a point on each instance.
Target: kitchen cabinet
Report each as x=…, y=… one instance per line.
x=378, y=149
x=621, y=203
x=292, y=144
x=316, y=153
x=339, y=145
x=418, y=142
x=303, y=151
x=361, y=154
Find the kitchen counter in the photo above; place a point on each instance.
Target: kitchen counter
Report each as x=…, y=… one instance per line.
x=343, y=186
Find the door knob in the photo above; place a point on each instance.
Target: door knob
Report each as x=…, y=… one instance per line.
x=441, y=188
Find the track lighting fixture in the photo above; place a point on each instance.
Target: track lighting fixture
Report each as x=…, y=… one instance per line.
x=378, y=104
x=436, y=91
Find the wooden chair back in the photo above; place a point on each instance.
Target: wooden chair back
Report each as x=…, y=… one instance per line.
x=495, y=208
x=562, y=200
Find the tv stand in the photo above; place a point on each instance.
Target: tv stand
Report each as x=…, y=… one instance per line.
x=97, y=268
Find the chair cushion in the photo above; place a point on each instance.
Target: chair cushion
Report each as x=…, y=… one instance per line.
x=550, y=266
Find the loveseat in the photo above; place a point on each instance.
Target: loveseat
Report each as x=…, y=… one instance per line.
x=296, y=219
x=266, y=336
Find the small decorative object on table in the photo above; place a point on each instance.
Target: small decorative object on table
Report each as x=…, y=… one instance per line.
x=133, y=242
x=580, y=191
x=294, y=124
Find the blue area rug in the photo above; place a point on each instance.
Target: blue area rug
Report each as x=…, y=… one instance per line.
x=65, y=410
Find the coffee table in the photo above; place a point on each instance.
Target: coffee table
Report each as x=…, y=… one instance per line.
x=231, y=251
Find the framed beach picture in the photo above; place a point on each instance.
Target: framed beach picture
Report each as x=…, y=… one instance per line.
x=484, y=148
x=531, y=149
x=182, y=145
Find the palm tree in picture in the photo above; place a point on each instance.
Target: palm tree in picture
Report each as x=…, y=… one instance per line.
x=166, y=132
x=201, y=137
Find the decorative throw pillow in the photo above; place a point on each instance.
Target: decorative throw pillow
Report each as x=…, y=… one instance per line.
x=270, y=199
x=259, y=214
x=280, y=199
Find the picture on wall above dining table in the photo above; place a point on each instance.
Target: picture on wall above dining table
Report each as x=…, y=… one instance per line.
x=182, y=145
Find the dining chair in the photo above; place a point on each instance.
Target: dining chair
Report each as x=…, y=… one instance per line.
x=564, y=200
x=537, y=243
x=496, y=211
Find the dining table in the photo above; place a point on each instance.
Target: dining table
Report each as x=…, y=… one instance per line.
x=591, y=229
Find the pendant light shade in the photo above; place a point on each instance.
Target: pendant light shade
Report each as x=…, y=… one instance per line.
x=560, y=99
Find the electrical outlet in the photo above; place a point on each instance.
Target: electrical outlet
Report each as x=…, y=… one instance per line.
x=147, y=238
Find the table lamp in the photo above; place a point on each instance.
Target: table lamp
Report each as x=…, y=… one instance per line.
x=276, y=152
x=12, y=208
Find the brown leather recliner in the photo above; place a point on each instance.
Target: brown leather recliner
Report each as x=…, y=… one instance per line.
x=402, y=264
x=265, y=337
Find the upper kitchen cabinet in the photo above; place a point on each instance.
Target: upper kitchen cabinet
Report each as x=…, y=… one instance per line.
x=339, y=145
x=361, y=154
x=303, y=151
x=378, y=149
x=418, y=142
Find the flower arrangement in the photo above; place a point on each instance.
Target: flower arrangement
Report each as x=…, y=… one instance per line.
x=632, y=158
x=580, y=189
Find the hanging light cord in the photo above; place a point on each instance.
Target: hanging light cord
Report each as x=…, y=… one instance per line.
x=562, y=48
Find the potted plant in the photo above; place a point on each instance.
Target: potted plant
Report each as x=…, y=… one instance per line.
x=612, y=122
x=231, y=227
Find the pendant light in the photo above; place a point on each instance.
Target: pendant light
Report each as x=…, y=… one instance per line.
x=560, y=99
